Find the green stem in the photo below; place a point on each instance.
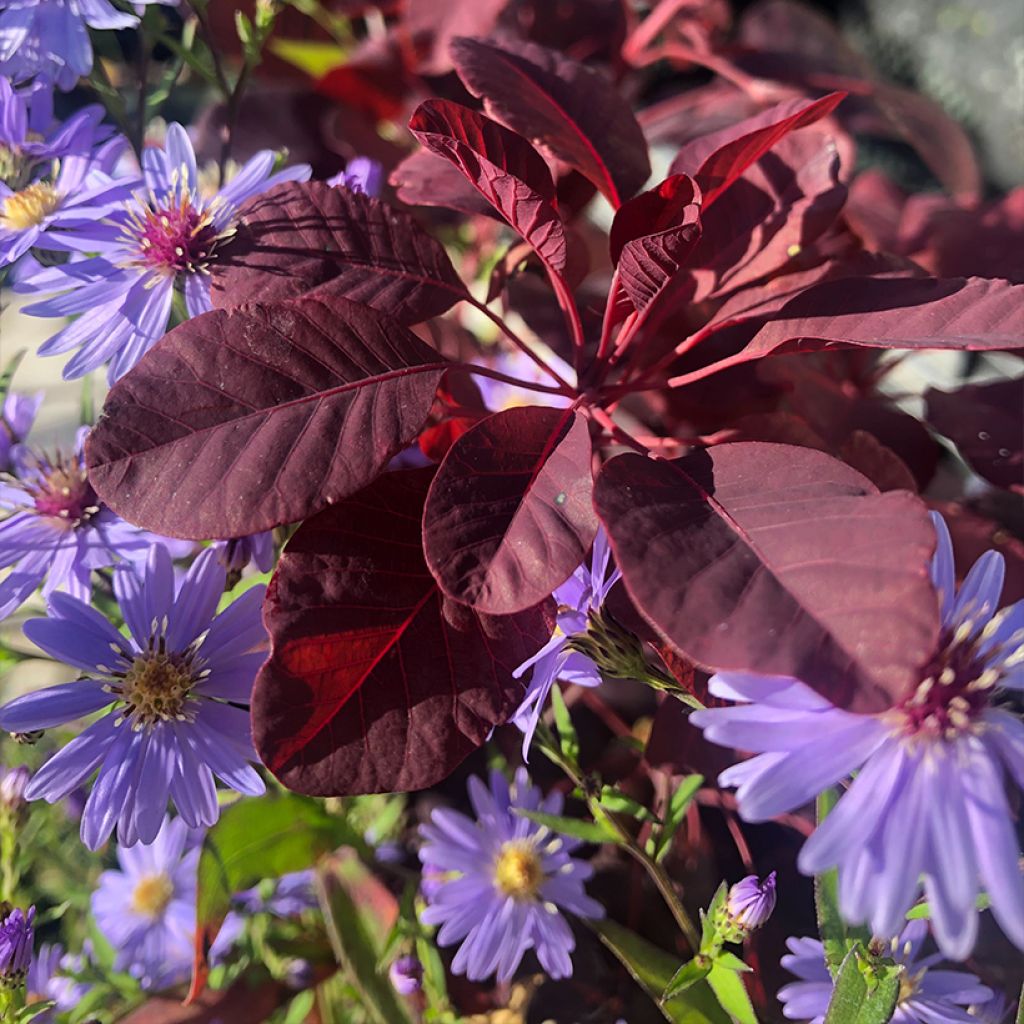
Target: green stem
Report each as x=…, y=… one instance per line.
x=661, y=881
x=8, y=857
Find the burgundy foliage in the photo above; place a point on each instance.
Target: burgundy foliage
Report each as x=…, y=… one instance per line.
x=510, y=514
x=377, y=681
x=729, y=334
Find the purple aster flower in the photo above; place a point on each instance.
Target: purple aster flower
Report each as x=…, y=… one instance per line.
x=584, y=591
x=57, y=531
x=16, y=932
x=169, y=727
x=51, y=37
x=48, y=979
x=750, y=902
x=17, y=414
x=28, y=134
x=258, y=548
x=928, y=800
x=12, y=787
x=406, y=974
x=361, y=174
x=511, y=878
x=163, y=238
x=42, y=214
x=147, y=909
x=292, y=894
x=926, y=996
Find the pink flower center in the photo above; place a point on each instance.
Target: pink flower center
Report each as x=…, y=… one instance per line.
x=64, y=492
x=175, y=237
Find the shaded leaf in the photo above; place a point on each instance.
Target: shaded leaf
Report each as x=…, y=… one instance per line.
x=351, y=928
x=986, y=423
x=653, y=969
x=731, y=994
x=510, y=514
x=426, y=179
x=433, y=24
x=503, y=167
x=865, y=990
x=588, y=831
x=688, y=975
x=678, y=804
x=656, y=210
x=569, y=109
x=376, y=680
x=780, y=560
x=719, y=159
x=241, y=420
x=299, y=236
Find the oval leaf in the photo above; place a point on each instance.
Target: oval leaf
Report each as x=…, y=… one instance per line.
x=780, y=560
x=503, y=167
x=510, y=514
x=377, y=681
x=301, y=236
x=238, y=421
x=569, y=109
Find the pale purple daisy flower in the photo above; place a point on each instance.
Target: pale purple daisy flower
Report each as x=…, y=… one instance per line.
x=51, y=37
x=258, y=548
x=147, y=909
x=506, y=879
x=165, y=237
x=361, y=174
x=57, y=531
x=49, y=979
x=172, y=688
x=29, y=135
x=928, y=800
x=45, y=214
x=17, y=414
x=291, y=895
x=584, y=591
x=16, y=934
x=926, y=996
x=750, y=902
x=406, y=975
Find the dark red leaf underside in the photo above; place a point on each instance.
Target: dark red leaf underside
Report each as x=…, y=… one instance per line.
x=503, y=167
x=569, y=109
x=426, y=179
x=653, y=211
x=779, y=560
x=510, y=514
x=299, y=236
x=377, y=682
x=717, y=160
x=241, y=420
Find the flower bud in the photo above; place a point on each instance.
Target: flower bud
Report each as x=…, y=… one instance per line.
x=406, y=974
x=750, y=903
x=12, y=787
x=16, y=932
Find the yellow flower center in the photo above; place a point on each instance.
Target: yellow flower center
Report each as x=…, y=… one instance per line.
x=30, y=206
x=517, y=870
x=151, y=895
x=156, y=689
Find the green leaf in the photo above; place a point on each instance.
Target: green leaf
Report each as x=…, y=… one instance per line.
x=688, y=975
x=435, y=983
x=707, y=918
x=866, y=990
x=731, y=993
x=1020, y=1008
x=350, y=928
x=618, y=803
x=315, y=58
x=263, y=838
x=8, y=373
x=731, y=962
x=678, y=804
x=923, y=910
x=653, y=969
x=837, y=937
x=567, y=738
x=588, y=831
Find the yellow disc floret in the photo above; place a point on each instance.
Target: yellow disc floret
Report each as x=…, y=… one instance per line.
x=517, y=870
x=156, y=689
x=151, y=895
x=29, y=207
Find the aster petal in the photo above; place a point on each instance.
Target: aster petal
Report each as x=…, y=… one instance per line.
x=78, y=635
x=232, y=769
x=73, y=763
x=195, y=604
x=53, y=706
x=197, y=294
x=553, y=941
x=1004, y=737
x=109, y=794
x=156, y=767
x=195, y=795
x=181, y=158
x=238, y=629
x=978, y=596
x=775, y=691
x=943, y=570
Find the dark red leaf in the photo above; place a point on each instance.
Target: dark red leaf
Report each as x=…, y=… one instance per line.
x=717, y=160
x=426, y=179
x=651, y=212
x=986, y=422
x=433, y=24
x=569, y=109
x=881, y=465
x=510, y=514
x=502, y=166
x=241, y=420
x=774, y=559
x=299, y=236
x=376, y=680
x=956, y=313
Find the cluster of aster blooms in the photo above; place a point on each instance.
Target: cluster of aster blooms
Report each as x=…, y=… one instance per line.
x=163, y=652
